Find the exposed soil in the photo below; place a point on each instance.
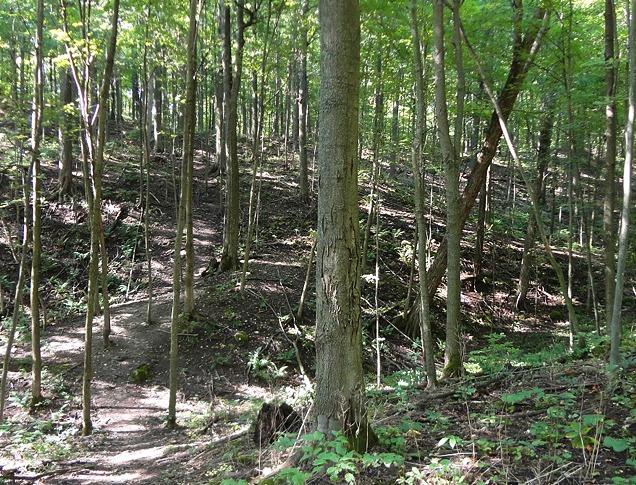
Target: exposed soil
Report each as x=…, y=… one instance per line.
x=243, y=348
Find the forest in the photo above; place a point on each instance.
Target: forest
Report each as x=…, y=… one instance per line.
x=317, y=241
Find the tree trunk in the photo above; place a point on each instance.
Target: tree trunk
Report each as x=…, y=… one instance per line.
x=189, y=119
x=339, y=403
x=232, y=84
x=623, y=236
x=36, y=137
x=543, y=158
x=378, y=124
x=64, y=133
x=189, y=128
x=302, y=106
x=452, y=354
x=17, y=301
x=524, y=51
x=419, y=198
x=609, y=201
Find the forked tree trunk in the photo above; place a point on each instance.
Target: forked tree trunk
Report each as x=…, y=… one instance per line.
x=524, y=51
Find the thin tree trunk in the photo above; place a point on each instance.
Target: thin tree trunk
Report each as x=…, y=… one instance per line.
x=36, y=137
x=623, y=235
x=543, y=158
x=609, y=201
x=419, y=197
x=65, y=137
x=524, y=51
x=188, y=133
x=303, y=98
x=452, y=354
x=17, y=301
x=534, y=199
x=378, y=123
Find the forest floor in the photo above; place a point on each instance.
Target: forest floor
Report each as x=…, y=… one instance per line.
x=526, y=412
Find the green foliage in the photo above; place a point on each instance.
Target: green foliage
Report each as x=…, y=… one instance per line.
x=140, y=374
x=334, y=458
x=263, y=368
x=500, y=352
x=618, y=445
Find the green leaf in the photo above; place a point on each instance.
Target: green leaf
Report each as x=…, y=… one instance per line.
x=617, y=444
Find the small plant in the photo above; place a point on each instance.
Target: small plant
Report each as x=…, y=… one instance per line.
x=263, y=368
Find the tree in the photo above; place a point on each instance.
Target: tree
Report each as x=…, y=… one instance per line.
x=189, y=120
x=92, y=161
x=609, y=202
x=303, y=98
x=65, y=128
x=36, y=137
x=231, y=88
x=543, y=158
x=419, y=197
x=623, y=242
x=452, y=353
x=339, y=399
x=525, y=47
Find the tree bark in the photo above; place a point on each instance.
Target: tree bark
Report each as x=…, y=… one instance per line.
x=419, y=199
x=339, y=403
x=303, y=86
x=64, y=133
x=623, y=236
x=609, y=201
x=189, y=117
x=452, y=353
x=36, y=138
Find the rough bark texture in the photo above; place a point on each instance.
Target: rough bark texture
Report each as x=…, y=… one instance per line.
x=339, y=398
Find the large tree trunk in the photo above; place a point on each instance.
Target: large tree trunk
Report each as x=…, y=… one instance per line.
x=524, y=50
x=339, y=400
